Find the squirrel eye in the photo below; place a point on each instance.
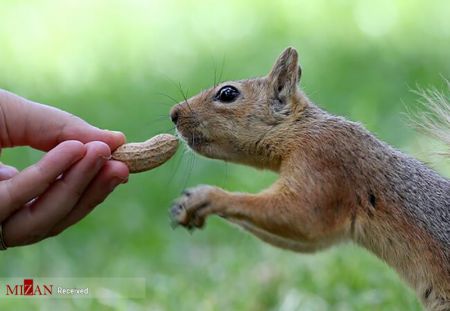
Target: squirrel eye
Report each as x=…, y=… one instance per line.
x=227, y=94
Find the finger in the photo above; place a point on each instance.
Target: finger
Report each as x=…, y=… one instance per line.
x=111, y=175
x=34, y=180
x=31, y=223
x=52, y=125
x=7, y=172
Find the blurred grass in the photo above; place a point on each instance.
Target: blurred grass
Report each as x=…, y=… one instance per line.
x=114, y=62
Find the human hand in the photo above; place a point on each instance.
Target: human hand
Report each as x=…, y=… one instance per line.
x=73, y=177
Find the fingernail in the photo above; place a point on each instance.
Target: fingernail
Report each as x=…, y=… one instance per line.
x=117, y=133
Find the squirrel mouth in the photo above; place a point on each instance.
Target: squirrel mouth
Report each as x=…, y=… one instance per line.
x=194, y=140
x=197, y=141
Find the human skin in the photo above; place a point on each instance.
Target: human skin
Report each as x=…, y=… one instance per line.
x=75, y=175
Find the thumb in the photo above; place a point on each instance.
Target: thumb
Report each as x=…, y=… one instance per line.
x=78, y=129
x=43, y=127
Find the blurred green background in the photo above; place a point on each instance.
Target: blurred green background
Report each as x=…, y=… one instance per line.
x=116, y=63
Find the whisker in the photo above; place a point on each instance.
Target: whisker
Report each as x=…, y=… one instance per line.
x=185, y=97
x=189, y=107
x=168, y=96
x=160, y=118
x=172, y=129
x=170, y=80
x=159, y=121
x=177, y=166
x=167, y=130
x=189, y=169
x=222, y=68
x=215, y=73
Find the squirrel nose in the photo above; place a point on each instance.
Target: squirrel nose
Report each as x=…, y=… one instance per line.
x=174, y=115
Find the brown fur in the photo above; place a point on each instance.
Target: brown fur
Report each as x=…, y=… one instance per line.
x=337, y=181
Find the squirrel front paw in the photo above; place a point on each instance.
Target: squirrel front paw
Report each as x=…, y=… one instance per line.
x=192, y=208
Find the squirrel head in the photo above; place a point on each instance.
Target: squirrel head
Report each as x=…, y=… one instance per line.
x=246, y=121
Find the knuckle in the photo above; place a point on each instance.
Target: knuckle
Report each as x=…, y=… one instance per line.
x=71, y=189
x=40, y=170
x=99, y=147
x=70, y=128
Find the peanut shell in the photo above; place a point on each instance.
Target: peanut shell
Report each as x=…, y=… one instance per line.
x=147, y=155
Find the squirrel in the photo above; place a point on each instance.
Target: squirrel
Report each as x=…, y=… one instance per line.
x=337, y=181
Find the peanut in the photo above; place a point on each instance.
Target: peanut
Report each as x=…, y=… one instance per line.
x=146, y=155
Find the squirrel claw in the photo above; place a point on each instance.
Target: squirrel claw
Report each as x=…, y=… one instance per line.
x=188, y=210
x=186, y=193
x=178, y=214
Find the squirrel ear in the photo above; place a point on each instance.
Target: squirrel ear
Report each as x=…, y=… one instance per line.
x=285, y=73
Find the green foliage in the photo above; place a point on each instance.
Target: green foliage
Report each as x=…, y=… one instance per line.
x=117, y=63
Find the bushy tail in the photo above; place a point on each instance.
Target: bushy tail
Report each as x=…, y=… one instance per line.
x=435, y=119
